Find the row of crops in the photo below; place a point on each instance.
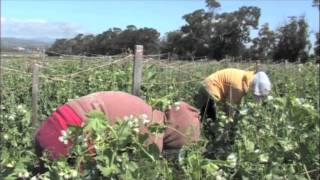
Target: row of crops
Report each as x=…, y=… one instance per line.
x=278, y=139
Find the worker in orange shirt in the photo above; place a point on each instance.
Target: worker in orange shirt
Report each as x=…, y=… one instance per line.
x=228, y=86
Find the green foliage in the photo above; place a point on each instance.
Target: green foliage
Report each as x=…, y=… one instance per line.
x=111, y=42
x=277, y=139
x=293, y=41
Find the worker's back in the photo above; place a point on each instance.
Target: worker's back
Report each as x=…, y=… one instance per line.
x=115, y=105
x=229, y=84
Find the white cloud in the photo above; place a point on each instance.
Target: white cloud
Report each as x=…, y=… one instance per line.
x=34, y=28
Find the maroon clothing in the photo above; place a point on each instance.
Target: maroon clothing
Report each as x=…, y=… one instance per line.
x=117, y=106
x=50, y=131
x=183, y=126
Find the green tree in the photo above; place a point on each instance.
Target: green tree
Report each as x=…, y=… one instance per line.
x=195, y=34
x=171, y=43
x=293, y=42
x=148, y=37
x=215, y=35
x=316, y=3
x=213, y=4
x=57, y=47
x=230, y=31
x=263, y=45
x=317, y=47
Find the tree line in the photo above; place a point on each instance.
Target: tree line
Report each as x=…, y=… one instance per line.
x=206, y=33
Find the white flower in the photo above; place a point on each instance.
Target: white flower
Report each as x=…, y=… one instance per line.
x=11, y=117
x=144, y=119
x=20, y=174
x=64, y=141
x=244, y=111
x=64, y=133
x=182, y=155
x=10, y=164
x=23, y=174
x=64, y=137
x=232, y=158
x=269, y=98
x=34, y=178
x=223, y=116
x=26, y=174
x=143, y=116
x=84, y=145
x=131, y=123
x=177, y=106
x=126, y=118
x=299, y=101
x=19, y=106
x=135, y=120
x=6, y=136
x=66, y=176
x=308, y=106
x=119, y=159
x=136, y=130
x=73, y=173
x=96, y=147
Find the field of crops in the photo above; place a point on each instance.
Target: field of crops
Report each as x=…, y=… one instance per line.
x=278, y=139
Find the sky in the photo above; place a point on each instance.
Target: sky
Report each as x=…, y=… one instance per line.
x=66, y=18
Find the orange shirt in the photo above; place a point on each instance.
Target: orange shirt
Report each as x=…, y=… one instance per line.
x=229, y=85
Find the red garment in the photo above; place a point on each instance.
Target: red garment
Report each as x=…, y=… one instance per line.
x=183, y=126
x=117, y=105
x=50, y=130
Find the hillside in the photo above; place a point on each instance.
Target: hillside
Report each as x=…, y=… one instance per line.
x=8, y=43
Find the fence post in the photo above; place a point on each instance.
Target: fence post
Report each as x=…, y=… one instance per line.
x=35, y=94
x=81, y=61
x=1, y=84
x=137, y=70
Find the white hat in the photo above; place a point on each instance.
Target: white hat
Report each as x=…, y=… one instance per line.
x=261, y=84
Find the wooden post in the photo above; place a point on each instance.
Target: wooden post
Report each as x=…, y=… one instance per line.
x=35, y=94
x=1, y=85
x=137, y=70
x=81, y=61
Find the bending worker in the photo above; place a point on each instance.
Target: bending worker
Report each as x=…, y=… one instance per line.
x=182, y=120
x=228, y=86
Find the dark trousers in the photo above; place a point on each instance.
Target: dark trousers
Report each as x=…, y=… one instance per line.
x=207, y=106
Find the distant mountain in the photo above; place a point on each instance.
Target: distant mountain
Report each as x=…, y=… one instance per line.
x=14, y=43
